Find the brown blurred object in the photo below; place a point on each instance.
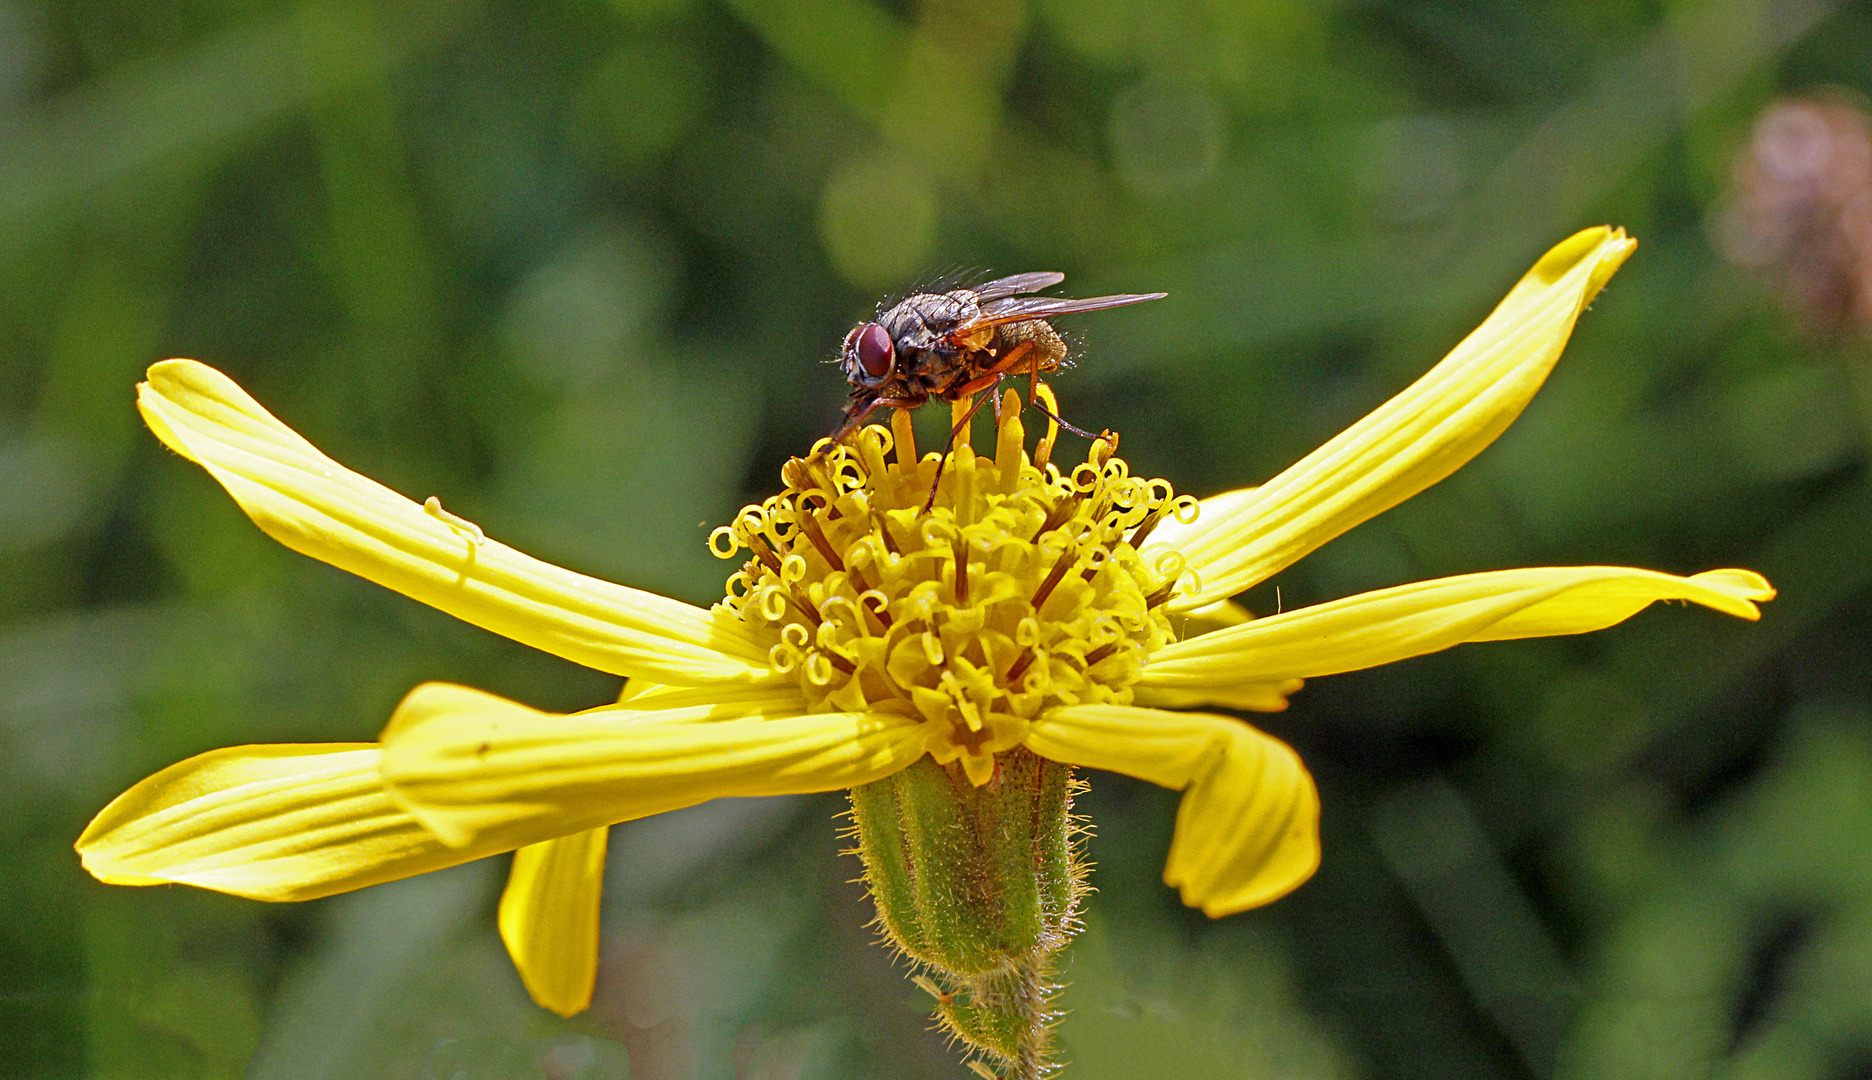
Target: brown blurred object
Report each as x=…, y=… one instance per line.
x=1802, y=209
x=642, y=1001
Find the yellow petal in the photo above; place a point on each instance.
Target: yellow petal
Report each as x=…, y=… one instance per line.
x=436, y=701
x=1248, y=830
x=1209, y=617
x=479, y=769
x=1248, y=696
x=294, y=822
x=1379, y=627
x=1410, y=442
x=549, y=918
x=317, y=507
x=1171, y=533
x=288, y=822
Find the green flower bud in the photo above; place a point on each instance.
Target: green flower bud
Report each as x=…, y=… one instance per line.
x=980, y=887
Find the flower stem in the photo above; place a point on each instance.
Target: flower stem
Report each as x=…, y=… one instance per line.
x=980, y=886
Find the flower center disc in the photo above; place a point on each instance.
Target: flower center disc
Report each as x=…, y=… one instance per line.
x=1020, y=589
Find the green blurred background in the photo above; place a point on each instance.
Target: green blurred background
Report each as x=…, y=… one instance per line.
x=573, y=266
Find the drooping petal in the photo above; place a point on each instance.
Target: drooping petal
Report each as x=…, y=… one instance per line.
x=282, y=822
x=1391, y=624
x=549, y=918
x=1410, y=442
x=317, y=507
x=480, y=769
x=1247, y=832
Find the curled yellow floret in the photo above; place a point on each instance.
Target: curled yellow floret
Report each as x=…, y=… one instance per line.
x=1018, y=590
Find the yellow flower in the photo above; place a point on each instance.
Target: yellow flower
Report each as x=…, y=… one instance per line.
x=1032, y=617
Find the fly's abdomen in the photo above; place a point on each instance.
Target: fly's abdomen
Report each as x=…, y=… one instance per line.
x=1049, y=349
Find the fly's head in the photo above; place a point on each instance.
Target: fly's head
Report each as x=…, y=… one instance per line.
x=869, y=356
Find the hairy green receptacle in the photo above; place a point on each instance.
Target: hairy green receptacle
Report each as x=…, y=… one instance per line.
x=980, y=886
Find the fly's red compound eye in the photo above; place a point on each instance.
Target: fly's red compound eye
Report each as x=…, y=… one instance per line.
x=875, y=350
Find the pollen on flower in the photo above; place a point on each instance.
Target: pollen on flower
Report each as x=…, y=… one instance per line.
x=1020, y=589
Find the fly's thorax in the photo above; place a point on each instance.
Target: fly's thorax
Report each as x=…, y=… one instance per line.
x=1020, y=590
x=931, y=370
x=920, y=321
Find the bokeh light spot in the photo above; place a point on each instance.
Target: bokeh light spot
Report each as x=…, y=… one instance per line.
x=877, y=218
x=1413, y=169
x=637, y=103
x=1167, y=134
x=575, y=318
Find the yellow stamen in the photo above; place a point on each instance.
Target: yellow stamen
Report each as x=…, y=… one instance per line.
x=959, y=414
x=954, y=595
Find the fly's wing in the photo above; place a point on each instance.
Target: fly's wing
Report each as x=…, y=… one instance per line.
x=1020, y=309
x=1016, y=284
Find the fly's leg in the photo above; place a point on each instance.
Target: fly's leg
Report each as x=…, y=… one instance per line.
x=990, y=378
x=1079, y=431
x=950, y=442
x=856, y=416
x=993, y=375
x=1038, y=389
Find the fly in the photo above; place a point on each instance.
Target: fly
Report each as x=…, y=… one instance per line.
x=953, y=345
